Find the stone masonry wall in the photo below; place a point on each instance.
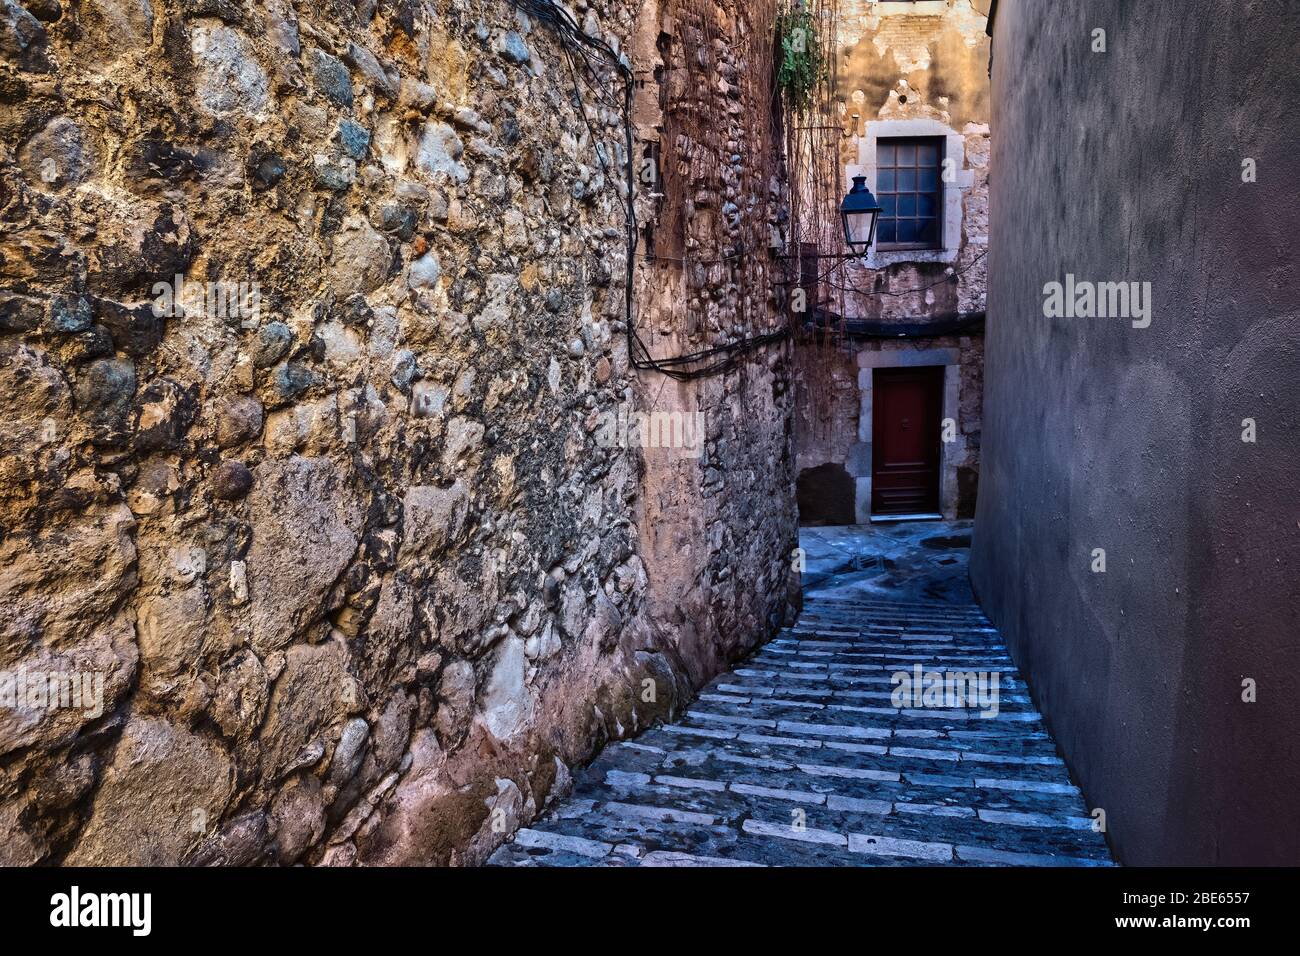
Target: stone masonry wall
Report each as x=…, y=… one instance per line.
x=718, y=529
x=359, y=576
x=827, y=418
x=919, y=70
x=905, y=69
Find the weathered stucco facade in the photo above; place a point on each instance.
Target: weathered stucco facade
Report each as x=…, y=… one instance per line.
x=905, y=71
x=359, y=573
x=1136, y=539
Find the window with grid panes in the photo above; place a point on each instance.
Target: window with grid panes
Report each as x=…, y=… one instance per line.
x=910, y=190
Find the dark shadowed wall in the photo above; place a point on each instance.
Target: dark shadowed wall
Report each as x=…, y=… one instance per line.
x=1127, y=165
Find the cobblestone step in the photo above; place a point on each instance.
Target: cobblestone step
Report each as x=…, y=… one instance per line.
x=797, y=757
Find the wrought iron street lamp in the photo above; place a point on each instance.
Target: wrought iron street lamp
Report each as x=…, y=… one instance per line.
x=859, y=210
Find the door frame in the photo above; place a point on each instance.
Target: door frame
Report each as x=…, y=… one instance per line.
x=950, y=453
x=931, y=388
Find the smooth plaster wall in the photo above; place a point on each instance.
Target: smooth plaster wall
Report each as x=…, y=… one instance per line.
x=1127, y=165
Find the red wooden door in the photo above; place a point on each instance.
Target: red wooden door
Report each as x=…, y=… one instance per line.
x=906, y=419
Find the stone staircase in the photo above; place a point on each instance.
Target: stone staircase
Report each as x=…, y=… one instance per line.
x=797, y=757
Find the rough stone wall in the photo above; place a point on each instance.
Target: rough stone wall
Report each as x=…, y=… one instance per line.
x=359, y=577
x=1102, y=435
x=717, y=529
x=826, y=417
x=827, y=408
x=900, y=66
x=906, y=69
x=927, y=43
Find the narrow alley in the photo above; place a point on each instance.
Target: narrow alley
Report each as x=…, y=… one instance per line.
x=494, y=434
x=798, y=758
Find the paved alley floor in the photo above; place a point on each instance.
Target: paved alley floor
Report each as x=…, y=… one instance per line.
x=913, y=561
x=798, y=756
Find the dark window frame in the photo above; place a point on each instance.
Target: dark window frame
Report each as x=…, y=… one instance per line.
x=888, y=189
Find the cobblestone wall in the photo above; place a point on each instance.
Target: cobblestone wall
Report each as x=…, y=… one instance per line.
x=349, y=550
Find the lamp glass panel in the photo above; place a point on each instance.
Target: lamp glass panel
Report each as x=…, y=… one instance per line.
x=859, y=226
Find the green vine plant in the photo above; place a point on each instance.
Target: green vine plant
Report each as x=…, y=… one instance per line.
x=802, y=62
